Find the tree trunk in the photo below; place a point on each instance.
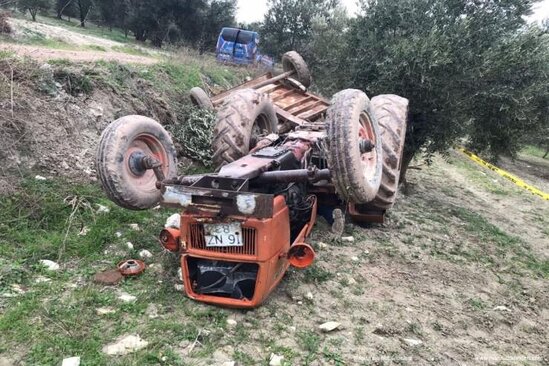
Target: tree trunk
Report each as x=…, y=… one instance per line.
x=546, y=152
x=33, y=14
x=407, y=157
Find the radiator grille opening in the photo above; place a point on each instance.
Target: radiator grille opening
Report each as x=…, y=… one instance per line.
x=198, y=241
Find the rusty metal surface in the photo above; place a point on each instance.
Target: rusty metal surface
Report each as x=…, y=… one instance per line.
x=292, y=102
x=366, y=214
x=293, y=176
x=249, y=166
x=217, y=202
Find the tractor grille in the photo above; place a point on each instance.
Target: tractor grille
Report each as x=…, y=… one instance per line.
x=198, y=241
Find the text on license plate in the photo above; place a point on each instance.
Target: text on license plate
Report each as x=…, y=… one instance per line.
x=223, y=235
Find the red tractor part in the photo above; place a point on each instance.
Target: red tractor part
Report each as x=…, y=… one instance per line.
x=170, y=239
x=301, y=255
x=131, y=267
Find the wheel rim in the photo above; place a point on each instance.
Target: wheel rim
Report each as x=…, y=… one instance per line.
x=260, y=126
x=147, y=145
x=368, y=159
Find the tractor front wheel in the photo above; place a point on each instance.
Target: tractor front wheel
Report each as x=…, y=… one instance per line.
x=200, y=99
x=292, y=61
x=119, y=156
x=354, y=146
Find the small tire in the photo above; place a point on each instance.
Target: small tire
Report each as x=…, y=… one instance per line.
x=200, y=99
x=355, y=175
x=122, y=138
x=391, y=112
x=244, y=116
x=292, y=61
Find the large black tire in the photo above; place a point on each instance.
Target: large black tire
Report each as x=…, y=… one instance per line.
x=391, y=112
x=355, y=175
x=292, y=61
x=122, y=138
x=200, y=99
x=244, y=116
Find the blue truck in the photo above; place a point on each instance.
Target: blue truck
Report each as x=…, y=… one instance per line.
x=240, y=46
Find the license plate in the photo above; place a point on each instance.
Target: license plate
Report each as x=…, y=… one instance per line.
x=223, y=235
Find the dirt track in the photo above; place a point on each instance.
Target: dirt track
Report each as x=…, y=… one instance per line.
x=44, y=54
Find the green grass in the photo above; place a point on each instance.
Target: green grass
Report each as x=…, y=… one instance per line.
x=509, y=251
x=90, y=29
x=534, y=151
x=52, y=320
x=131, y=50
x=481, y=177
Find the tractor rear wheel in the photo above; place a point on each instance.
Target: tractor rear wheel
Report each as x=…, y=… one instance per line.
x=200, y=99
x=122, y=144
x=292, y=61
x=354, y=148
x=391, y=112
x=244, y=117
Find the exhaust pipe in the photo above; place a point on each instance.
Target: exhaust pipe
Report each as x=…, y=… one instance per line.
x=170, y=239
x=301, y=255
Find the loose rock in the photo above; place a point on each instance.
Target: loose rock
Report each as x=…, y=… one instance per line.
x=501, y=308
x=129, y=245
x=102, y=209
x=145, y=254
x=134, y=227
x=348, y=239
x=127, y=297
x=71, y=361
x=125, y=345
x=105, y=311
x=275, y=360
x=329, y=326
x=50, y=265
x=173, y=221
x=231, y=322
x=412, y=342
x=39, y=177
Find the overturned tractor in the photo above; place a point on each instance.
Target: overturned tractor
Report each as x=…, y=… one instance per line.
x=282, y=156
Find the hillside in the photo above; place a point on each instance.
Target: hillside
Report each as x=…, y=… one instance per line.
x=457, y=275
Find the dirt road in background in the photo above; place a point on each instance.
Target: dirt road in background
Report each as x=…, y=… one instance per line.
x=45, y=54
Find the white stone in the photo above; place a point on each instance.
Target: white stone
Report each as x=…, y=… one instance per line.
x=118, y=234
x=231, y=322
x=50, y=265
x=39, y=177
x=17, y=288
x=125, y=345
x=126, y=297
x=134, y=227
x=329, y=326
x=42, y=279
x=228, y=363
x=501, y=308
x=84, y=231
x=173, y=221
x=102, y=208
x=105, y=311
x=71, y=361
x=180, y=274
x=179, y=287
x=293, y=329
x=355, y=259
x=145, y=254
x=351, y=281
x=348, y=239
x=322, y=245
x=412, y=342
x=129, y=245
x=275, y=360
x=309, y=295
